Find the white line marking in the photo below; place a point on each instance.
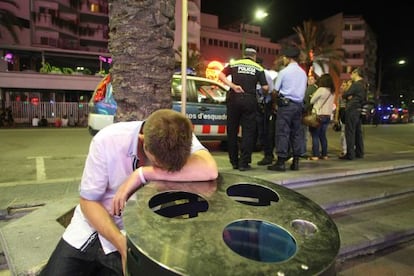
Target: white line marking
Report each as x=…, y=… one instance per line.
x=40, y=167
x=36, y=182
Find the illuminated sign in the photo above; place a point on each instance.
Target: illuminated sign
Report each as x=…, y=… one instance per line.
x=213, y=70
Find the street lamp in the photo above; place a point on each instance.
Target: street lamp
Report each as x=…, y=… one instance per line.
x=258, y=16
x=401, y=62
x=381, y=71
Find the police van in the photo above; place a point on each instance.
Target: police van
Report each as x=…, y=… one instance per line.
x=206, y=106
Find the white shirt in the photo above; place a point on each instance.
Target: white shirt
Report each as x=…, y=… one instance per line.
x=291, y=82
x=108, y=164
x=35, y=121
x=322, y=101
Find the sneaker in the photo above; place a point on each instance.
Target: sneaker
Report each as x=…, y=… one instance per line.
x=323, y=157
x=313, y=158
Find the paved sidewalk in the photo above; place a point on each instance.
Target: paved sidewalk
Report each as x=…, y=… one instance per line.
x=380, y=156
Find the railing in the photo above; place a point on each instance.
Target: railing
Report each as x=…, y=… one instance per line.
x=24, y=112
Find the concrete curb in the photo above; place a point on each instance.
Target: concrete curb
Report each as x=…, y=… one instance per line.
x=349, y=173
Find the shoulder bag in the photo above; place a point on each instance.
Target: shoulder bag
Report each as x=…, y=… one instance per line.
x=311, y=118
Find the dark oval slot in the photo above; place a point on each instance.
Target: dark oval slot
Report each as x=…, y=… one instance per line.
x=251, y=194
x=177, y=204
x=259, y=240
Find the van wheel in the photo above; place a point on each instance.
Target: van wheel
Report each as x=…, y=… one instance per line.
x=92, y=131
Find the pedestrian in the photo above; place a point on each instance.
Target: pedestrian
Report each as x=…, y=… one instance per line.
x=35, y=121
x=58, y=122
x=322, y=101
x=265, y=119
x=290, y=84
x=43, y=122
x=9, y=117
x=241, y=106
x=341, y=114
x=2, y=118
x=65, y=121
x=71, y=122
x=122, y=158
x=310, y=89
x=355, y=96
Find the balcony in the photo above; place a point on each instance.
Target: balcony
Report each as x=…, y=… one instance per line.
x=48, y=81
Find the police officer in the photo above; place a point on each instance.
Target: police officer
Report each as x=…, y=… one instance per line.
x=265, y=119
x=241, y=106
x=291, y=84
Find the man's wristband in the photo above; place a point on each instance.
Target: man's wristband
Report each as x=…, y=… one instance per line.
x=141, y=176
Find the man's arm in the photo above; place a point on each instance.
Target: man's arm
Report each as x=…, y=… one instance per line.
x=236, y=88
x=200, y=166
x=100, y=219
x=347, y=95
x=265, y=89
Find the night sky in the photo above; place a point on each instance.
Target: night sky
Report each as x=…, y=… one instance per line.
x=391, y=21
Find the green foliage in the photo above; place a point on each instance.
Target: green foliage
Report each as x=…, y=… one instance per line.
x=56, y=70
x=318, y=45
x=67, y=70
x=46, y=68
x=194, y=60
x=87, y=71
x=101, y=73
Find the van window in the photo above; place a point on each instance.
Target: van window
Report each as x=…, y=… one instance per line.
x=176, y=89
x=210, y=93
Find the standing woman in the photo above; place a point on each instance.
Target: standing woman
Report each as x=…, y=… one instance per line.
x=322, y=101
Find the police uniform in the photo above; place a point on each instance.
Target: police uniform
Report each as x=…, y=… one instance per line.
x=291, y=84
x=241, y=108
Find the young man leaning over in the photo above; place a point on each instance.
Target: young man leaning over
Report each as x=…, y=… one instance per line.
x=122, y=158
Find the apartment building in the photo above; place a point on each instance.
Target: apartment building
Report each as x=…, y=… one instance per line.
x=355, y=36
x=223, y=45
x=73, y=35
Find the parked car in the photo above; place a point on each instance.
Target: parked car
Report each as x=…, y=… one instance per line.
x=206, y=106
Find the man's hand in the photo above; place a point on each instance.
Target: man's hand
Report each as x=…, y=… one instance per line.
x=130, y=185
x=237, y=88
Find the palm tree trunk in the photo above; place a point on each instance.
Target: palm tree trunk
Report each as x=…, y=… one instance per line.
x=141, y=43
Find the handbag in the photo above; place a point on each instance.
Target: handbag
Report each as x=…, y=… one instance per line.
x=337, y=126
x=311, y=119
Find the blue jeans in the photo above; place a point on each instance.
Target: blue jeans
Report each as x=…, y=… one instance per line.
x=319, y=136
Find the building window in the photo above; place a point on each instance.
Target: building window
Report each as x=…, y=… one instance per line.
x=94, y=7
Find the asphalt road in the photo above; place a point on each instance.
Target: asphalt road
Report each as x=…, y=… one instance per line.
x=33, y=160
